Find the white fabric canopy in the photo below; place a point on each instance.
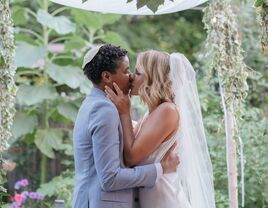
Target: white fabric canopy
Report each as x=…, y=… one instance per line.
x=121, y=7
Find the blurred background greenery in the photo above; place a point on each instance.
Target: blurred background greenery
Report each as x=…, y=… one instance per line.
x=51, y=41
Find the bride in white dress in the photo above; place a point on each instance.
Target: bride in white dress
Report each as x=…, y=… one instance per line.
x=166, y=84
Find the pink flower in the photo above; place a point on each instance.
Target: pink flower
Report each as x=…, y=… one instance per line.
x=18, y=197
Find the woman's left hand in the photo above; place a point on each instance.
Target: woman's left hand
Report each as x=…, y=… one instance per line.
x=121, y=101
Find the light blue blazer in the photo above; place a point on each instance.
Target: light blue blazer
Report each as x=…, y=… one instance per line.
x=101, y=179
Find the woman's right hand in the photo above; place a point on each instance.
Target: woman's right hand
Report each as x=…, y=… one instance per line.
x=121, y=101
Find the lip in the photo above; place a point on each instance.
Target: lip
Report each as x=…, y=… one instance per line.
x=131, y=87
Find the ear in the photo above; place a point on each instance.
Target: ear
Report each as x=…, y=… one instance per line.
x=107, y=77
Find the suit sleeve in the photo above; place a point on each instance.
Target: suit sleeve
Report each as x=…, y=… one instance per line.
x=106, y=149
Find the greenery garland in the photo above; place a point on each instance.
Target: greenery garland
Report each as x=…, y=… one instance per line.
x=262, y=12
x=223, y=49
x=224, y=53
x=7, y=72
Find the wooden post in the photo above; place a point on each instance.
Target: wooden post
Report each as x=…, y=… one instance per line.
x=231, y=160
x=230, y=149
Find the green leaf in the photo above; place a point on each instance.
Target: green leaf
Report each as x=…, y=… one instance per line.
x=56, y=185
x=68, y=149
x=30, y=95
x=85, y=85
x=68, y=110
x=23, y=124
x=69, y=75
x=19, y=15
x=48, y=189
x=61, y=24
x=76, y=42
x=258, y=3
x=116, y=39
x=48, y=139
x=2, y=60
x=23, y=37
x=27, y=55
x=93, y=20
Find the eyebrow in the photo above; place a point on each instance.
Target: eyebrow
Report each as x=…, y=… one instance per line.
x=126, y=69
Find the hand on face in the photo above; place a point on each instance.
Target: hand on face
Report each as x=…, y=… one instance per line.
x=121, y=101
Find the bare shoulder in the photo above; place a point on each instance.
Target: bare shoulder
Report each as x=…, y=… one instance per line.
x=168, y=111
x=168, y=108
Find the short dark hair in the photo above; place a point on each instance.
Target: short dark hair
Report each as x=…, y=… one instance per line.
x=106, y=59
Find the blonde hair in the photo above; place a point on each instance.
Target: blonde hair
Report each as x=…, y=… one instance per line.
x=156, y=88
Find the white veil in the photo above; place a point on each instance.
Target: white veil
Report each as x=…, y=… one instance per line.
x=195, y=170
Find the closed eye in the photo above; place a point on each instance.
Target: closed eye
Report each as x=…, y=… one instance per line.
x=137, y=72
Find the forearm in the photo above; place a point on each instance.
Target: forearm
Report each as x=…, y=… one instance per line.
x=124, y=178
x=129, y=138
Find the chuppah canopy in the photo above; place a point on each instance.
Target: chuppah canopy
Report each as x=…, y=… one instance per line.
x=127, y=7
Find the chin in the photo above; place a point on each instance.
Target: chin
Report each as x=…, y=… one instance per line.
x=133, y=92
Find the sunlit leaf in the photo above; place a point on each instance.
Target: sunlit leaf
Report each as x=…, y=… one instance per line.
x=69, y=75
x=85, y=85
x=93, y=20
x=30, y=95
x=61, y=24
x=68, y=110
x=27, y=55
x=48, y=139
x=77, y=42
x=23, y=124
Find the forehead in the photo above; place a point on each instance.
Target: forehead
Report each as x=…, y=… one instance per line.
x=123, y=64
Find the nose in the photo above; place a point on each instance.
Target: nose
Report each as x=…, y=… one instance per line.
x=131, y=77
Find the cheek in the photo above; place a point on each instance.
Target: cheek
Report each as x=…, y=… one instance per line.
x=137, y=83
x=140, y=81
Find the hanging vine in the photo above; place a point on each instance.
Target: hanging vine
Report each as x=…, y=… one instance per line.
x=224, y=53
x=7, y=72
x=223, y=48
x=262, y=18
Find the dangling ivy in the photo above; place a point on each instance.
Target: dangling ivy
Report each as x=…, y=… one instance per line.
x=223, y=49
x=7, y=72
x=224, y=53
x=262, y=12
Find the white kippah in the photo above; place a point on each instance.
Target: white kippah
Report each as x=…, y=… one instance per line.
x=90, y=55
